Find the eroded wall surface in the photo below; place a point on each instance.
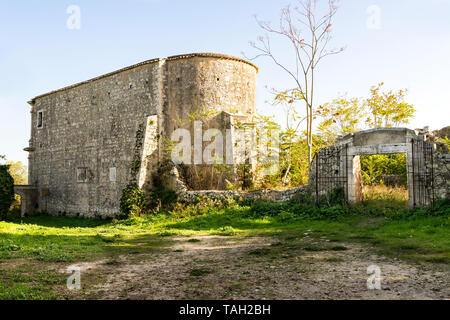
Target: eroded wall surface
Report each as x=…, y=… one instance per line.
x=441, y=168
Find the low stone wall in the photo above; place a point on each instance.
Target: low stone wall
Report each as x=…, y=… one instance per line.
x=392, y=180
x=270, y=195
x=441, y=168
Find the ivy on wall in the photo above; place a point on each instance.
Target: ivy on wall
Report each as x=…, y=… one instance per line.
x=136, y=163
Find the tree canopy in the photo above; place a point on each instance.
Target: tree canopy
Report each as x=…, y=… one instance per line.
x=18, y=171
x=6, y=189
x=380, y=109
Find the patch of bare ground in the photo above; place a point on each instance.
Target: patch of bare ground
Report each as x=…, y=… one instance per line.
x=13, y=263
x=217, y=267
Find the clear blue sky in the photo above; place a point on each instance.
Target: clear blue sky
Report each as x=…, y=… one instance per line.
x=38, y=53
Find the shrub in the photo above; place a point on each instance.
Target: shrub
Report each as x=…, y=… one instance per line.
x=6, y=191
x=441, y=208
x=335, y=197
x=306, y=198
x=161, y=197
x=286, y=216
x=132, y=201
x=261, y=208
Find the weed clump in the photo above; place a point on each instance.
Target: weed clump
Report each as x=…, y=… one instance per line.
x=132, y=201
x=199, y=272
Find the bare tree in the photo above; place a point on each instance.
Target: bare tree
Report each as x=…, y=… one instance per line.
x=309, y=32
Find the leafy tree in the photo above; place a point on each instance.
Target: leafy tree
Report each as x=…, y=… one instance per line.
x=381, y=109
x=388, y=109
x=445, y=140
x=293, y=162
x=342, y=115
x=6, y=189
x=19, y=172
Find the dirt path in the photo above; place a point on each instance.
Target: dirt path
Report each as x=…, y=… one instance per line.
x=214, y=267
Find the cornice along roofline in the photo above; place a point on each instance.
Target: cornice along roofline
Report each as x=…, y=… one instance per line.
x=151, y=61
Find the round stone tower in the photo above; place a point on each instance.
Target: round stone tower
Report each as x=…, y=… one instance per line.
x=222, y=87
x=214, y=81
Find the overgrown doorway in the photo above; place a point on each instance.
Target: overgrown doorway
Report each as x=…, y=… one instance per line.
x=385, y=179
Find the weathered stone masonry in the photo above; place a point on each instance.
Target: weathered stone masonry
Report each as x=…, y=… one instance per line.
x=89, y=140
x=441, y=167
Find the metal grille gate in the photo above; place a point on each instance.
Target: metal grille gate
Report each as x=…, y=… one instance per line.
x=331, y=170
x=422, y=173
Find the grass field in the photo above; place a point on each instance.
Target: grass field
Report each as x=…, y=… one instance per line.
x=35, y=251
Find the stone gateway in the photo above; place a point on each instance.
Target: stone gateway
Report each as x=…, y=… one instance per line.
x=338, y=166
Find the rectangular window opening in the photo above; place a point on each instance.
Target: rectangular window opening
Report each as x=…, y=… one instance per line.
x=82, y=174
x=40, y=119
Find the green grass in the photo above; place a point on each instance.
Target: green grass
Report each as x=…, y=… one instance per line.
x=394, y=197
x=52, y=243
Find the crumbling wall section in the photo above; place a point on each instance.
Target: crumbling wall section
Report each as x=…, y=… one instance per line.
x=441, y=168
x=329, y=170
x=269, y=195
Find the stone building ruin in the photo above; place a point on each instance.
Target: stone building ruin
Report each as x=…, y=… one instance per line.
x=91, y=139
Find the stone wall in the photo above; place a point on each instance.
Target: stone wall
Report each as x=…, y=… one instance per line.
x=28, y=198
x=329, y=170
x=93, y=126
x=393, y=180
x=270, y=195
x=441, y=168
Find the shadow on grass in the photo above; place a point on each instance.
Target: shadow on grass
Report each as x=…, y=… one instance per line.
x=219, y=220
x=60, y=222
x=213, y=223
x=244, y=221
x=70, y=248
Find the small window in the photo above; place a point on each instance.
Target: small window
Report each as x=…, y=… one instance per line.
x=40, y=119
x=82, y=174
x=112, y=174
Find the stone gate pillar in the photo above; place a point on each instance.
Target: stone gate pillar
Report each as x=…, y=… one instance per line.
x=354, y=178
